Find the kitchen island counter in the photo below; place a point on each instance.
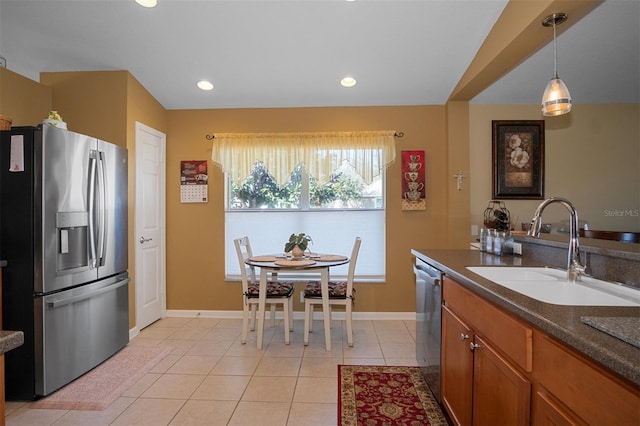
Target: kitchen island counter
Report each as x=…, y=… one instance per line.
x=10, y=340
x=561, y=322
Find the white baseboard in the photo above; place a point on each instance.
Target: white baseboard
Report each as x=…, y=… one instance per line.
x=298, y=315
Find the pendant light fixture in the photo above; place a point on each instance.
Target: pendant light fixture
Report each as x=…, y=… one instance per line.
x=556, y=99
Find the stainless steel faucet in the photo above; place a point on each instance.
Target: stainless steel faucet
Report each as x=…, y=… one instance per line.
x=574, y=268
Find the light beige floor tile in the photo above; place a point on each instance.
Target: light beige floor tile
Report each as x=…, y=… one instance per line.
x=11, y=406
x=171, y=322
x=410, y=324
x=318, y=350
x=222, y=388
x=180, y=347
x=157, y=332
x=365, y=361
x=260, y=414
x=279, y=367
x=203, y=322
x=316, y=389
x=33, y=417
x=306, y=414
x=399, y=350
x=270, y=389
x=230, y=322
x=194, y=364
x=277, y=348
x=389, y=324
x=405, y=362
x=176, y=386
x=320, y=367
x=142, y=385
x=236, y=365
x=194, y=333
x=95, y=418
x=363, y=351
x=395, y=336
x=223, y=334
x=210, y=347
x=149, y=412
x=165, y=364
x=209, y=413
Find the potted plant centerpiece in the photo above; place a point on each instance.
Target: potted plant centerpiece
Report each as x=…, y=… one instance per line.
x=297, y=244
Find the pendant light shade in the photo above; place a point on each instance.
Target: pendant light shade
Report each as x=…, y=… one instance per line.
x=556, y=99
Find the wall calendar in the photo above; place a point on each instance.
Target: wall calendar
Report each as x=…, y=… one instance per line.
x=194, y=187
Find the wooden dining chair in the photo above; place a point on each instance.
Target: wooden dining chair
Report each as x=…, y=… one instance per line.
x=278, y=292
x=340, y=293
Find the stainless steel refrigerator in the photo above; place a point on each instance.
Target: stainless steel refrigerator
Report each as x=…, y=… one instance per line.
x=63, y=233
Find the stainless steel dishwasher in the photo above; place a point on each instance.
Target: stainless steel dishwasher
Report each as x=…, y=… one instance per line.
x=428, y=323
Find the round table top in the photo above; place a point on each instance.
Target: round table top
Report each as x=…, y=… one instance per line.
x=308, y=262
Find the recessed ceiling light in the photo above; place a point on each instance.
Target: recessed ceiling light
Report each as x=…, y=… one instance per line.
x=147, y=3
x=205, y=85
x=348, y=82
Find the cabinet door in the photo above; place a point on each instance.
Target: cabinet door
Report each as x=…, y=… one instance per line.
x=501, y=395
x=457, y=368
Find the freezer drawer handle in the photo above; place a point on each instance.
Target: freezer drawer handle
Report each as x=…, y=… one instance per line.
x=145, y=240
x=66, y=301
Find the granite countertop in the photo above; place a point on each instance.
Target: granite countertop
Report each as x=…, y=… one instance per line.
x=561, y=322
x=10, y=340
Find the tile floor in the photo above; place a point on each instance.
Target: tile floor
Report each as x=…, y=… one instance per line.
x=212, y=379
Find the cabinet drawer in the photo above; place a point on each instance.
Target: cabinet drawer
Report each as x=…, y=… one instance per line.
x=585, y=388
x=513, y=337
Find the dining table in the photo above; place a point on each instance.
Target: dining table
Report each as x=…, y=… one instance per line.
x=309, y=264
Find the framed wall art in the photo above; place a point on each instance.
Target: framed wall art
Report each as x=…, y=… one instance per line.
x=413, y=181
x=518, y=159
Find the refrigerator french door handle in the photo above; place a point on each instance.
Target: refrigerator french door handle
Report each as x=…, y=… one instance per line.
x=92, y=218
x=68, y=300
x=102, y=198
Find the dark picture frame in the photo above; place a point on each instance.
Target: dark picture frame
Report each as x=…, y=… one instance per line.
x=518, y=159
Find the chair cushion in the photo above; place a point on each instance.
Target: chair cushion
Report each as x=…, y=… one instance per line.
x=274, y=289
x=337, y=290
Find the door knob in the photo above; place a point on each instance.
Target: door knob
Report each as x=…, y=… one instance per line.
x=144, y=240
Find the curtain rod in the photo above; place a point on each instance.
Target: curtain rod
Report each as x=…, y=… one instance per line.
x=396, y=135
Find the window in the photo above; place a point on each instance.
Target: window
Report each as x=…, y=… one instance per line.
x=331, y=188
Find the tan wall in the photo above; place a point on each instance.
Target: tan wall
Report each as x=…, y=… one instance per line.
x=592, y=159
x=92, y=103
x=25, y=101
x=143, y=108
x=195, y=256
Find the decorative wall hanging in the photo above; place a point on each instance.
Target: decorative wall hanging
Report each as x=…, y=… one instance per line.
x=413, y=184
x=194, y=181
x=518, y=159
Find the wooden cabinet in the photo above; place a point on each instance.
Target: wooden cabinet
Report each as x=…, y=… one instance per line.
x=497, y=370
x=573, y=390
x=481, y=384
x=456, y=368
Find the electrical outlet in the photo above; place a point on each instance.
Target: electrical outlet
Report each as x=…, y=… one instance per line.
x=302, y=297
x=517, y=248
x=474, y=229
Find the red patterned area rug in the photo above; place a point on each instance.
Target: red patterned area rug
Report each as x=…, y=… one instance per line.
x=97, y=389
x=382, y=396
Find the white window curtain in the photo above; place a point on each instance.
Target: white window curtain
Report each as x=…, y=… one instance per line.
x=369, y=152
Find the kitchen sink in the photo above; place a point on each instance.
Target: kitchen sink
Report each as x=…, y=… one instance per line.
x=550, y=285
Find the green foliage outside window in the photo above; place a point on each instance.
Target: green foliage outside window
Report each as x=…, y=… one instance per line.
x=345, y=189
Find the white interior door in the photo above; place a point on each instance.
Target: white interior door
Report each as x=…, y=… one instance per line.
x=150, y=274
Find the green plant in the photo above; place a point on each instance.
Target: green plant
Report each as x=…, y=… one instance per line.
x=300, y=240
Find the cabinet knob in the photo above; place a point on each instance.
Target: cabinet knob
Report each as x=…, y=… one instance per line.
x=463, y=336
x=473, y=346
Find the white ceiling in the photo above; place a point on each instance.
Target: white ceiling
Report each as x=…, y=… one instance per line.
x=272, y=53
